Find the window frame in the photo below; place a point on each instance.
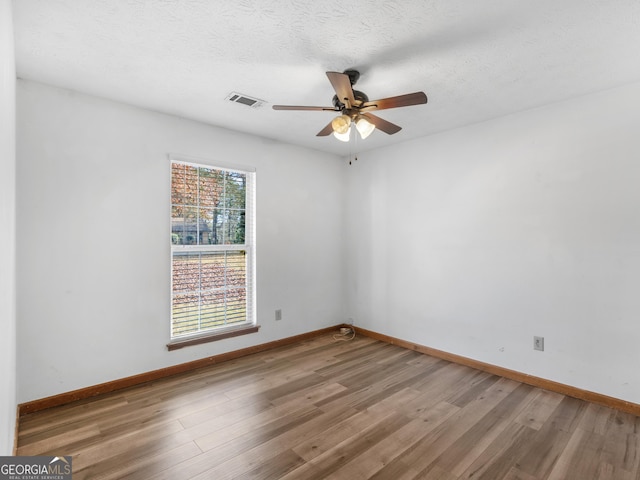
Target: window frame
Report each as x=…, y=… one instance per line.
x=249, y=247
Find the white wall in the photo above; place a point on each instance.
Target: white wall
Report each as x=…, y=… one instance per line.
x=93, y=239
x=475, y=240
x=7, y=229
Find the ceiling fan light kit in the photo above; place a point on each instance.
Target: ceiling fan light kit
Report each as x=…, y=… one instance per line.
x=354, y=107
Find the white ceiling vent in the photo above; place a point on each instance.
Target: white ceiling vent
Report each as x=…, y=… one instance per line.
x=244, y=99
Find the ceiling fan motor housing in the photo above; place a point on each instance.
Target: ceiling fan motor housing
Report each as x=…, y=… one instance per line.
x=358, y=96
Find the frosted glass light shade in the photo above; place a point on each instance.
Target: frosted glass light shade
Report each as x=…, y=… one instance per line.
x=365, y=127
x=343, y=137
x=341, y=124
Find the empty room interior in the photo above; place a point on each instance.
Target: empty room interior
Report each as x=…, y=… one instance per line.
x=366, y=239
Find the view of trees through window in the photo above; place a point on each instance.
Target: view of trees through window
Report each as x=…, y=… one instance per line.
x=207, y=206
x=209, y=257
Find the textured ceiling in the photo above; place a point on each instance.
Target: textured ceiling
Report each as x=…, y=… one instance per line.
x=475, y=60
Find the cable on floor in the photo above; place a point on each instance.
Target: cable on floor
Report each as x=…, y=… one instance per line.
x=346, y=334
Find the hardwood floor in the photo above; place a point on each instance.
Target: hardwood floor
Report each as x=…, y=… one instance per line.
x=334, y=409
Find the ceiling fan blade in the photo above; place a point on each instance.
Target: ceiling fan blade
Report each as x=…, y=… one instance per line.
x=381, y=124
x=302, y=107
x=328, y=130
x=407, y=100
x=342, y=85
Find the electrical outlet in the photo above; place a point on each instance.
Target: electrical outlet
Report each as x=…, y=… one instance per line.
x=278, y=314
x=538, y=343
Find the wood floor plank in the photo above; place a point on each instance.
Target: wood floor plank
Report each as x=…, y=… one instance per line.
x=568, y=414
x=57, y=442
x=325, y=408
x=478, y=383
x=443, y=383
x=312, y=394
x=262, y=454
x=430, y=447
x=89, y=453
x=129, y=420
x=327, y=439
x=378, y=456
x=350, y=448
x=622, y=451
x=435, y=473
x=137, y=463
x=580, y=459
x=208, y=464
x=550, y=441
x=397, y=382
x=516, y=474
x=279, y=466
x=210, y=467
x=221, y=414
x=70, y=416
x=265, y=383
x=468, y=447
x=256, y=429
x=397, y=401
x=261, y=433
x=497, y=459
x=540, y=409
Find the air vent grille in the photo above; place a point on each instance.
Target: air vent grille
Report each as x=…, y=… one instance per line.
x=245, y=100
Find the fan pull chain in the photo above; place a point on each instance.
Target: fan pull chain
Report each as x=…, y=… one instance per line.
x=355, y=155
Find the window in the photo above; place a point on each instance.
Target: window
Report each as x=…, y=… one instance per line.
x=212, y=250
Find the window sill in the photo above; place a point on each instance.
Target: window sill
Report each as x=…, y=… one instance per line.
x=212, y=337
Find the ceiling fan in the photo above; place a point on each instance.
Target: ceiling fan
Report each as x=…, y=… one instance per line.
x=355, y=107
